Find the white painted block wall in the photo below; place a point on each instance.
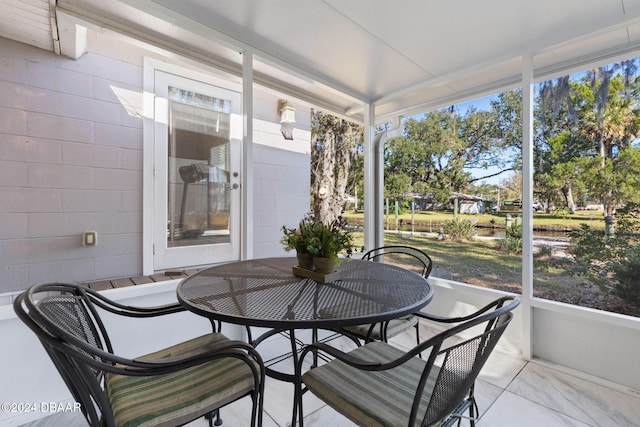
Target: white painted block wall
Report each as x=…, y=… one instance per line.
x=71, y=159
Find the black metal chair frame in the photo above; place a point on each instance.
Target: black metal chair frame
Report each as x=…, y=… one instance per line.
x=378, y=254
x=496, y=315
x=82, y=358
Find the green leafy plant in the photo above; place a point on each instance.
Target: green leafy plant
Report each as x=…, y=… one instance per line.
x=627, y=274
x=458, y=229
x=298, y=238
x=545, y=251
x=330, y=240
x=512, y=243
x=612, y=261
x=319, y=239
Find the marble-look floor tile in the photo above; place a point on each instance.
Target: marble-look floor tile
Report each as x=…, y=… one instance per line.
x=486, y=394
x=66, y=419
x=236, y=414
x=278, y=401
x=590, y=403
x=511, y=410
x=325, y=417
x=502, y=367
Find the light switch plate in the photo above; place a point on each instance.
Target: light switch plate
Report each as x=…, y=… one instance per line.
x=89, y=238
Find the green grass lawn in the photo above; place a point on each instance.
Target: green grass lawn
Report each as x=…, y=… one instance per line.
x=480, y=262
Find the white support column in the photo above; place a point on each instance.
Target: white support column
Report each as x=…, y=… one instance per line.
x=527, y=205
x=370, y=202
x=374, y=178
x=247, y=156
x=378, y=155
x=378, y=148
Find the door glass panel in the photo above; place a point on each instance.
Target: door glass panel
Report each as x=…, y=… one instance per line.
x=198, y=169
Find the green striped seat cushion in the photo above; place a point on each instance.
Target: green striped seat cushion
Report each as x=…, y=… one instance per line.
x=395, y=327
x=181, y=396
x=368, y=398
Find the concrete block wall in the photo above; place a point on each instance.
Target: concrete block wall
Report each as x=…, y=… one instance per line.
x=281, y=174
x=70, y=161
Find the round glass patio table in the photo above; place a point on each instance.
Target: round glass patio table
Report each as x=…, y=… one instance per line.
x=265, y=293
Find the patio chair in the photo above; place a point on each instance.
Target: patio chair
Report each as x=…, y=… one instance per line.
x=405, y=256
x=169, y=387
x=378, y=384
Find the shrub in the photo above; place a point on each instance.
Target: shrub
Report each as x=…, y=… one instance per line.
x=458, y=229
x=613, y=262
x=514, y=231
x=512, y=243
x=545, y=251
x=627, y=274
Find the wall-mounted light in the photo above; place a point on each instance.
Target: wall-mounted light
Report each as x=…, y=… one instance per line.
x=287, y=118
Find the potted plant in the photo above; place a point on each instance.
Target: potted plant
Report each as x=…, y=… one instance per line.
x=298, y=239
x=327, y=242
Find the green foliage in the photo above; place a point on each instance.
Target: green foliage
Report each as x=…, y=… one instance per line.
x=329, y=240
x=545, y=251
x=514, y=231
x=584, y=137
x=298, y=238
x=512, y=243
x=588, y=246
x=541, y=257
x=628, y=275
x=395, y=185
x=615, y=179
x=612, y=261
x=458, y=229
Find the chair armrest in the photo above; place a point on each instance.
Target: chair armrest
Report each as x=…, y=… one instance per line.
x=367, y=365
x=340, y=355
x=492, y=305
x=133, y=311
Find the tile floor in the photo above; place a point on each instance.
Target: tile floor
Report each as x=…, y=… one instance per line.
x=510, y=392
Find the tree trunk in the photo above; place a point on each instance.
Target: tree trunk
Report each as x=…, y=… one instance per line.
x=332, y=153
x=568, y=197
x=606, y=152
x=344, y=153
x=324, y=183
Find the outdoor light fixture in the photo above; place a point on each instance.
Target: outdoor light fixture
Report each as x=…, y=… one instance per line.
x=287, y=118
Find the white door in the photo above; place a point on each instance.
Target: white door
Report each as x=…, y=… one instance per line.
x=198, y=130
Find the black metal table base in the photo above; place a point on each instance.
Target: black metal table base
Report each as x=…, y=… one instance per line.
x=296, y=347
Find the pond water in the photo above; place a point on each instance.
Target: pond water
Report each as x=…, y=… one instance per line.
x=498, y=233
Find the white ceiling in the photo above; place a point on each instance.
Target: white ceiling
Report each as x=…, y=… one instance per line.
x=405, y=56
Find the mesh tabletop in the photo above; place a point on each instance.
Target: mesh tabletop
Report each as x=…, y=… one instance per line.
x=264, y=292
